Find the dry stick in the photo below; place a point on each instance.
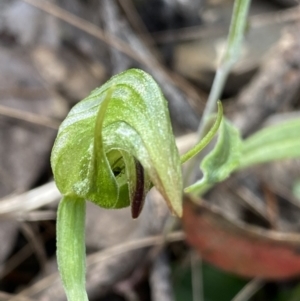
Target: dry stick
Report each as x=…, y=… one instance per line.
x=32, y=117
x=113, y=26
x=101, y=256
x=249, y=290
x=197, y=32
x=275, y=86
x=133, y=245
x=197, y=280
x=117, y=25
x=113, y=41
x=5, y=296
x=187, y=34
x=29, y=117
x=48, y=193
x=86, y=26
x=251, y=201
x=138, y=25
x=128, y=293
x=15, y=261
x=37, y=215
x=30, y=200
x=50, y=88
x=36, y=244
x=282, y=16
x=15, y=90
x=37, y=287
x=160, y=279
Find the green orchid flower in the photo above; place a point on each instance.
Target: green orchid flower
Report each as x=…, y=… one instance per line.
x=111, y=149
x=116, y=142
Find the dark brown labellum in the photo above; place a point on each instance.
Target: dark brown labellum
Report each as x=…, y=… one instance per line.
x=139, y=194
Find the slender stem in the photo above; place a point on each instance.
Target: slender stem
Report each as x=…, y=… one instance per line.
x=215, y=93
x=197, y=277
x=236, y=31
x=71, y=247
x=231, y=54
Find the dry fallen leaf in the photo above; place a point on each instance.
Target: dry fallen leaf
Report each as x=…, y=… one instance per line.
x=237, y=247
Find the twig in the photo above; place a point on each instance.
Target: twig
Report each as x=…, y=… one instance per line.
x=138, y=25
x=15, y=261
x=36, y=244
x=160, y=279
x=36, y=215
x=29, y=117
x=37, y=287
x=249, y=290
x=5, y=296
x=113, y=26
x=252, y=201
x=197, y=32
x=86, y=26
x=197, y=281
x=48, y=193
x=274, y=87
x=113, y=41
x=134, y=244
x=30, y=200
x=282, y=16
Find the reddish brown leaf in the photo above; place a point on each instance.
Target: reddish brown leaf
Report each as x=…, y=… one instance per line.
x=240, y=248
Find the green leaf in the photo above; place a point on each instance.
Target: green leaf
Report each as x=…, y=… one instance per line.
x=221, y=161
x=281, y=141
x=71, y=247
x=117, y=140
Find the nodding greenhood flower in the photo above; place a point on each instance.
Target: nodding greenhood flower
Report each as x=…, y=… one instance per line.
x=111, y=149
x=116, y=143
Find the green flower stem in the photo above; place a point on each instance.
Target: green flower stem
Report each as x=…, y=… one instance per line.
x=231, y=54
x=71, y=247
x=215, y=93
x=234, y=42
